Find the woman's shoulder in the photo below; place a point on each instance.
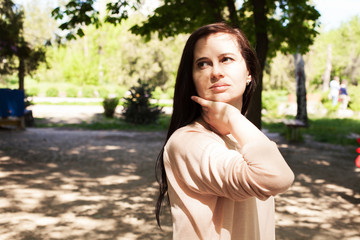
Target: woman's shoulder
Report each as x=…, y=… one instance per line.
x=195, y=132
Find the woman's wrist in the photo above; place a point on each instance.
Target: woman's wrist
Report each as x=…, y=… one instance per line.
x=243, y=130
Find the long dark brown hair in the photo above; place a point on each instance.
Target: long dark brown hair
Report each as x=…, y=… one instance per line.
x=185, y=110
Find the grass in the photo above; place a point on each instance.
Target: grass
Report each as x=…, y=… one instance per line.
x=71, y=103
x=103, y=123
x=334, y=130
x=328, y=130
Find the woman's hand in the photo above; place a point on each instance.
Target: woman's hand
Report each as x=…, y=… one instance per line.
x=224, y=118
x=217, y=114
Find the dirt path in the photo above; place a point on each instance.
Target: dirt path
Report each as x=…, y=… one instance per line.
x=62, y=184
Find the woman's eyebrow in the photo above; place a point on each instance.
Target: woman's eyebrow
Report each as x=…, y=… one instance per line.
x=200, y=59
x=221, y=55
x=227, y=53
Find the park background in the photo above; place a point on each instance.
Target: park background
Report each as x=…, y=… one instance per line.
x=108, y=60
x=49, y=171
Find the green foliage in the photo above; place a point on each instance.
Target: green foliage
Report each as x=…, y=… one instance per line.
x=280, y=73
x=103, y=92
x=14, y=46
x=331, y=109
x=11, y=26
x=104, y=123
x=71, y=92
x=290, y=25
x=334, y=130
x=327, y=103
x=112, y=55
x=345, y=46
x=34, y=91
x=83, y=12
x=110, y=105
x=354, y=93
x=274, y=126
x=170, y=93
x=8, y=81
x=159, y=93
x=271, y=25
x=52, y=92
x=88, y=92
x=329, y=130
x=39, y=27
x=137, y=106
x=121, y=91
x=345, y=57
x=271, y=100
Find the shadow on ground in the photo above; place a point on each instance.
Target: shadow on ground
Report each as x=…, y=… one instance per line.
x=62, y=184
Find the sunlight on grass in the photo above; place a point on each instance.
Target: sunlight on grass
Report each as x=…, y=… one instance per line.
x=328, y=130
x=102, y=123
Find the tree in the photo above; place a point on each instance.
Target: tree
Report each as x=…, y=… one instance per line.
x=270, y=25
x=327, y=72
x=344, y=57
x=15, y=53
x=124, y=58
x=300, y=89
x=39, y=27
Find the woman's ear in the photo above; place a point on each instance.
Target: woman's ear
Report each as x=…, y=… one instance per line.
x=248, y=80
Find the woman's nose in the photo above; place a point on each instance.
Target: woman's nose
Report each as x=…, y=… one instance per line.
x=216, y=73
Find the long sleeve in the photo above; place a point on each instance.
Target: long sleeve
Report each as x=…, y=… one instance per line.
x=204, y=164
x=221, y=190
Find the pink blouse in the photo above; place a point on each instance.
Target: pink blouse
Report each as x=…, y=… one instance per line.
x=221, y=190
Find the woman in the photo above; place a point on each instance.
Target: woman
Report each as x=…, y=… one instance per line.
x=219, y=171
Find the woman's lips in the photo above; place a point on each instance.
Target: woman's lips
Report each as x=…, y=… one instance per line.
x=219, y=87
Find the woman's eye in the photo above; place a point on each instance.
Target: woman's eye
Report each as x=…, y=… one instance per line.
x=202, y=64
x=227, y=59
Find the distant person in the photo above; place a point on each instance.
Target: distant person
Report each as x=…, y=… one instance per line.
x=334, y=90
x=219, y=171
x=344, y=96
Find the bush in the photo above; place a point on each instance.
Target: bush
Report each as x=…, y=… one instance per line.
x=103, y=92
x=331, y=109
x=327, y=103
x=157, y=93
x=71, y=92
x=88, y=92
x=170, y=93
x=354, y=103
x=121, y=91
x=137, y=107
x=110, y=105
x=271, y=99
x=34, y=91
x=52, y=92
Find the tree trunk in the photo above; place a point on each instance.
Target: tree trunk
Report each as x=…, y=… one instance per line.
x=327, y=73
x=254, y=110
x=21, y=73
x=262, y=43
x=300, y=89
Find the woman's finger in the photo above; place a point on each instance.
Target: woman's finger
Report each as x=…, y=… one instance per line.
x=201, y=101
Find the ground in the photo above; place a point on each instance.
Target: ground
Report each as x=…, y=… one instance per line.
x=77, y=184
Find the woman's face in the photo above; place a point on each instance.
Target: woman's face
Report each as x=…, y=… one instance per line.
x=219, y=70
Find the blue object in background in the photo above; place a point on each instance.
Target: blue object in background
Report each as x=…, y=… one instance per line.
x=11, y=103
